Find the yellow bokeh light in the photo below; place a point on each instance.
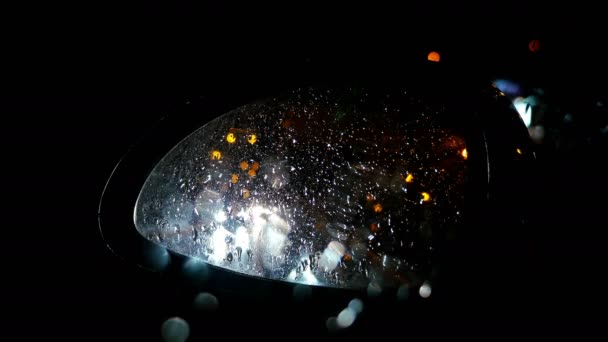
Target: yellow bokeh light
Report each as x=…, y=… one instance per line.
x=409, y=178
x=246, y=194
x=377, y=208
x=464, y=153
x=425, y=196
x=216, y=155
x=244, y=165
x=252, y=173
x=231, y=138
x=234, y=179
x=252, y=139
x=255, y=166
x=518, y=151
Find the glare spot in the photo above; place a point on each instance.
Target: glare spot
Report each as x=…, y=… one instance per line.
x=518, y=151
x=216, y=155
x=175, y=330
x=425, y=290
x=346, y=317
x=356, y=304
x=307, y=277
x=219, y=244
x=220, y=216
x=524, y=109
x=242, y=237
x=205, y=301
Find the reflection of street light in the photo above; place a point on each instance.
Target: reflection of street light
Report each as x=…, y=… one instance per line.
x=524, y=108
x=425, y=197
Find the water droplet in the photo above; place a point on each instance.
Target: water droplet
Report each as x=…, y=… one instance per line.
x=239, y=252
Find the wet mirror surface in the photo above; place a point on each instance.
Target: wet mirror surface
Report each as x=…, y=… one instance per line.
x=331, y=187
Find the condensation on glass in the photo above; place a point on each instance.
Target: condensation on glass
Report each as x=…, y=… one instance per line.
x=322, y=187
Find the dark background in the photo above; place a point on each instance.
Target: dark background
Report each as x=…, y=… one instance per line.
x=84, y=81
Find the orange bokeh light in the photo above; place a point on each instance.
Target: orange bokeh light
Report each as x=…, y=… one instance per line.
x=433, y=56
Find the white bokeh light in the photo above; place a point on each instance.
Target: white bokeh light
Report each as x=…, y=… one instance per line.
x=425, y=290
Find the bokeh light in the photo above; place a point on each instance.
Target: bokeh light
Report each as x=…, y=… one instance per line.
x=206, y=302
x=403, y=292
x=534, y=45
x=346, y=317
x=231, y=138
x=425, y=290
x=175, y=329
x=302, y=292
x=433, y=56
x=216, y=155
x=356, y=304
